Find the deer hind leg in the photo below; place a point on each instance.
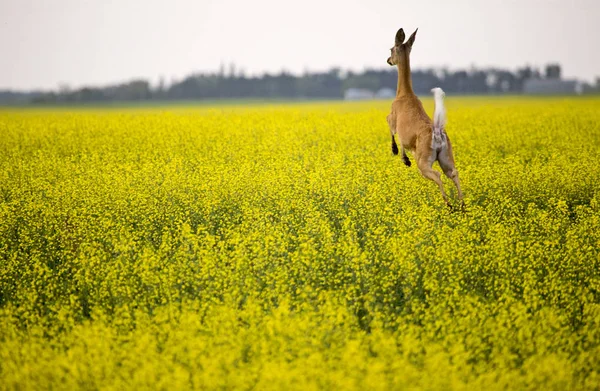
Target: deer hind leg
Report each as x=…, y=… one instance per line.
x=446, y=161
x=453, y=174
x=429, y=173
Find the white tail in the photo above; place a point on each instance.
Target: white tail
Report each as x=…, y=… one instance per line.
x=439, y=119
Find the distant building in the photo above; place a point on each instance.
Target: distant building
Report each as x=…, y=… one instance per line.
x=385, y=93
x=551, y=87
x=358, y=94
x=364, y=94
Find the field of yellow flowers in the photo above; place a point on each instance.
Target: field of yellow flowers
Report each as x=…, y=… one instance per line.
x=283, y=246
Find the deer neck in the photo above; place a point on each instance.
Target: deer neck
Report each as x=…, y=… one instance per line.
x=404, y=79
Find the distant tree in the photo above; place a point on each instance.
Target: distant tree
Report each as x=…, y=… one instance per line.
x=8, y=97
x=369, y=82
x=330, y=84
x=160, y=89
x=523, y=74
x=423, y=81
x=553, y=71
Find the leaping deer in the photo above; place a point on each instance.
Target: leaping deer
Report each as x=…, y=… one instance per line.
x=415, y=131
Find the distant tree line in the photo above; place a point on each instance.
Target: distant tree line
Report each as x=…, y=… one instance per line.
x=284, y=85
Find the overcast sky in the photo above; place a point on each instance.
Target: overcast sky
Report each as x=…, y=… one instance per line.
x=44, y=43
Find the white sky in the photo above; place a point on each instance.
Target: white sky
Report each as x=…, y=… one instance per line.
x=96, y=42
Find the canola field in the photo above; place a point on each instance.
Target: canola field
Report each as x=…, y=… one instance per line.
x=284, y=247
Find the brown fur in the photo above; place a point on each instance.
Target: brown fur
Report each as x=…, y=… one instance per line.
x=411, y=125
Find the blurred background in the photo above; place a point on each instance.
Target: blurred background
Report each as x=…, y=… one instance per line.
x=70, y=51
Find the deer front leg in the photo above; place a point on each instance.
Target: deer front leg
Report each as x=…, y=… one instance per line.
x=405, y=158
x=392, y=125
x=390, y=121
x=394, y=146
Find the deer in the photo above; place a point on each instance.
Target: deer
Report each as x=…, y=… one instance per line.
x=416, y=132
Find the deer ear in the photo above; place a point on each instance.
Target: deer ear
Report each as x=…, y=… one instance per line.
x=411, y=39
x=400, y=37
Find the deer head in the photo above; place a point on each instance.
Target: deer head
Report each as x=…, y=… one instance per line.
x=401, y=50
